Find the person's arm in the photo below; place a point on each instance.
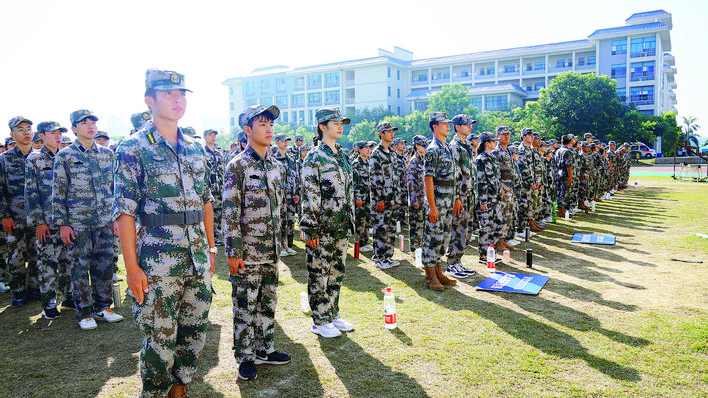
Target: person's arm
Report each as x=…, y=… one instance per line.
x=430, y=195
x=231, y=217
x=209, y=228
x=311, y=202
x=60, y=190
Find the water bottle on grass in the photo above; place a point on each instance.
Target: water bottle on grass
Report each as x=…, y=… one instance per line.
x=389, y=309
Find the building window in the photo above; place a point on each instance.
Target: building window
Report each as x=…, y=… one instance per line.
x=592, y=60
x=446, y=75
x=332, y=79
x=642, y=95
x=398, y=110
x=560, y=63
x=539, y=85
x=251, y=102
x=285, y=117
x=332, y=97
x=490, y=70
x=281, y=101
x=509, y=68
x=618, y=71
x=421, y=106
x=539, y=65
x=389, y=91
x=299, y=83
x=464, y=73
x=642, y=71
x=301, y=117
x=581, y=61
x=249, y=89
x=389, y=71
x=622, y=94
x=265, y=86
x=495, y=103
x=314, y=82
x=422, y=77
x=643, y=46
x=231, y=105
x=619, y=47
x=389, y=108
x=297, y=100
x=398, y=93
x=280, y=85
x=398, y=74
x=265, y=101
x=232, y=121
x=314, y=99
x=231, y=90
x=476, y=102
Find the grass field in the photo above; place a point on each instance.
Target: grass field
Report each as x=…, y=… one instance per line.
x=612, y=321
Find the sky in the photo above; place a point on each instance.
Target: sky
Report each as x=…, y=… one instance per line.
x=62, y=56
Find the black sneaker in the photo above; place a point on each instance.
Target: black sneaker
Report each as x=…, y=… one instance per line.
x=247, y=370
x=274, y=358
x=68, y=304
x=33, y=295
x=18, y=299
x=51, y=313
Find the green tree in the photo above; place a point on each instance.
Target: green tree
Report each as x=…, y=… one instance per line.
x=453, y=99
x=668, y=130
x=364, y=130
x=580, y=103
x=690, y=126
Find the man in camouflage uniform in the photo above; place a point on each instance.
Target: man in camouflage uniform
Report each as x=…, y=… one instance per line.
x=294, y=151
x=384, y=196
x=54, y=265
x=362, y=199
x=161, y=179
x=216, y=165
x=510, y=238
x=441, y=176
x=22, y=266
x=473, y=225
x=508, y=178
x=138, y=120
x=539, y=165
x=564, y=164
x=399, y=146
x=530, y=182
x=292, y=195
x=416, y=193
x=253, y=198
x=82, y=196
x=489, y=196
x=463, y=155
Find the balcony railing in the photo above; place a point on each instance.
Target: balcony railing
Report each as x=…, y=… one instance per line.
x=508, y=74
x=559, y=69
x=441, y=80
x=349, y=101
x=534, y=72
x=645, y=53
x=585, y=67
x=419, y=83
x=642, y=99
x=461, y=78
x=641, y=78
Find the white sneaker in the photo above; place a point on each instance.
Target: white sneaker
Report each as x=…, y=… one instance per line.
x=367, y=248
x=586, y=203
x=284, y=253
x=514, y=242
x=521, y=235
x=108, y=315
x=394, y=262
x=87, y=324
x=549, y=220
x=4, y=288
x=329, y=330
x=342, y=325
x=531, y=233
x=117, y=278
x=291, y=251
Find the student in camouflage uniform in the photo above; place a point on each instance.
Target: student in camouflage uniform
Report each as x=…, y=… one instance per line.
x=399, y=146
x=216, y=165
x=530, y=182
x=384, y=196
x=511, y=234
x=292, y=195
x=138, y=120
x=564, y=164
x=54, y=264
x=539, y=165
x=161, y=179
x=507, y=175
x=253, y=199
x=294, y=151
x=489, y=194
x=441, y=175
x=327, y=221
x=416, y=193
x=22, y=266
x=463, y=156
x=82, y=196
x=362, y=197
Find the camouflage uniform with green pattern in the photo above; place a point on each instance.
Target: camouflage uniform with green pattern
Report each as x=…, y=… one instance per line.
x=507, y=179
x=362, y=191
x=384, y=188
x=463, y=156
x=292, y=189
x=489, y=192
x=416, y=197
x=216, y=166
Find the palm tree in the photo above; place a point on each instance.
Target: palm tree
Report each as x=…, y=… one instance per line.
x=690, y=126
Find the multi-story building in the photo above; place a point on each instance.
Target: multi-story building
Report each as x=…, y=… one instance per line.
x=635, y=55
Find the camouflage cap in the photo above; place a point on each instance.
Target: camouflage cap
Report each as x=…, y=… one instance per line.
x=440, y=117
x=299, y=137
x=385, y=126
x=102, y=134
x=360, y=144
x=588, y=135
x=536, y=135
x=36, y=138
x=487, y=136
x=17, y=120
x=304, y=148
x=139, y=119
x=585, y=144
x=548, y=152
x=420, y=140
x=190, y=131
x=325, y=114
x=552, y=141
x=503, y=130
x=397, y=141
x=242, y=136
x=527, y=131
x=65, y=140
x=281, y=137
x=9, y=140
x=463, y=119
x=514, y=149
x=252, y=111
x=164, y=80
x=50, y=126
x=543, y=143
x=611, y=143
x=80, y=115
x=209, y=131
x=472, y=136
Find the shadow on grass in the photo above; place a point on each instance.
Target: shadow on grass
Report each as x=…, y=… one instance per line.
x=209, y=360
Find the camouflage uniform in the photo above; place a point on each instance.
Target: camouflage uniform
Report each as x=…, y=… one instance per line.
x=327, y=215
x=528, y=178
x=539, y=166
x=54, y=264
x=292, y=189
x=463, y=156
x=156, y=184
x=507, y=176
x=416, y=196
x=23, y=248
x=401, y=173
x=586, y=166
x=252, y=229
x=440, y=165
x=362, y=192
x=563, y=160
x=82, y=197
x=216, y=165
x=384, y=188
x=489, y=193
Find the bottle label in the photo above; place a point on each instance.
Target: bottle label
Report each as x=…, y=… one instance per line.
x=390, y=319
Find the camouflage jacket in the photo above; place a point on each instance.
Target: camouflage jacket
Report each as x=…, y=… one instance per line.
x=362, y=189
x=488, y=179
x=563, y=159
x=252, y=203
x=327, y=193
x=440, y=165
x=382, y=171
x=82, y=190
x=539, y=164
x=150, y=179
x=586, y=165
x=401, y=173
x=12, y=186
x=507, y=167
x=39, y=174
x=463, y=154
x=416, y=181
x=527, y=167
x=291, y=179
x=216, y=165
x=550, y=175
x=293, y=152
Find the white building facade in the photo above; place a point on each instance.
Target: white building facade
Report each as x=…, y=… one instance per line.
x=635, y=55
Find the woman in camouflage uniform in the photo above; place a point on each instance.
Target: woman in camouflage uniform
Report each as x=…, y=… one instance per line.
x=416, y=193
x=489, y=194
x=327, y=221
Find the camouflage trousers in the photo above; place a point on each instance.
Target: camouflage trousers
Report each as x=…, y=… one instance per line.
x=437, y=236
x=416, y=218
x=287, y=224
x=4, y=253
x=563, y=197
x=384, y=224
x=116, y=253
x=54, y=268
x=173, y=320
x=506, y=210
x=325, y=267
x=526, y=208
x=459, y=230
x=22, y=267
x=490, y=226
x=363, y=223
x=401, y=213
x=254, y=296
x=218, y=233
x=92, y=270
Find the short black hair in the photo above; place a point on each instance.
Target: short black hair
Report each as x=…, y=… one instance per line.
x=265, y=116
x=150, y=93
x=431, y=124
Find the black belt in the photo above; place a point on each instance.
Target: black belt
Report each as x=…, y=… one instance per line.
x=507, y=178
x=183, y=218
x=444, y=183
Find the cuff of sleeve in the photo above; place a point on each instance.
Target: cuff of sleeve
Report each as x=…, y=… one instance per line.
x=123, y=206
x=233, y=247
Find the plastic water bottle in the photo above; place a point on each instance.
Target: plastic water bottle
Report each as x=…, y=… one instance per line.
x=636, y=182
x=116, y=295
x=419, y=257
x=593, y=203
x=389, y=309
x=491, y=258
x=398, y=227
x=567, y=215
x=304, y=303
x=506, y=256
x=401, y=242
